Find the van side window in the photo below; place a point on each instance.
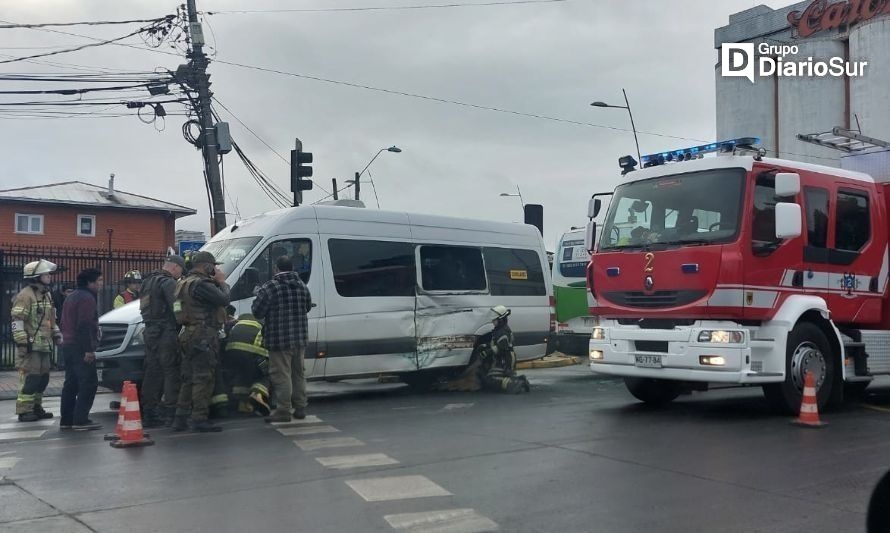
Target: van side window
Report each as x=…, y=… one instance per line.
x=514, y=272
x=817, y=216
x=372, y=268
x=763, y=223
x=451, y=268
x=852, y=222
x=262, y=268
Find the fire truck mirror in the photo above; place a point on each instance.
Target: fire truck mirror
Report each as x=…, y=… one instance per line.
x=787, y=184
x=593, y=207
x=590, y=236
x=788, y=220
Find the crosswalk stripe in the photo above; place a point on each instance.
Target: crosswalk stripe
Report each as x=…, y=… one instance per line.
x=336, y=442
x=28, y=425
x=311, y=419
x=307, y=430
x=15, y=435
x=383, y=489
x=342, y=462
x=446, y=521
x=8, y=462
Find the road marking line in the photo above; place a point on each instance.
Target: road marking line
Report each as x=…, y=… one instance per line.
x=15, y=435
x=452, y=406
x=8, y=462
x=307, y=430
x=28, y=425
x=876, y=408
x=311, y=419
x=318, y=444
x=384, y=489
x=446, y=521
x=342, y=462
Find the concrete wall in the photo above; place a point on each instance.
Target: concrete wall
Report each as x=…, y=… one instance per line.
x=746, y=109
x=870, y=94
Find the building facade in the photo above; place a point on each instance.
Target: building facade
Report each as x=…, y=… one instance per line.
x=777, y=108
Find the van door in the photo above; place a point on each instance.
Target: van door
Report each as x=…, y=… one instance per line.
x=303, y=251
x=452, y=304
x=369, y=322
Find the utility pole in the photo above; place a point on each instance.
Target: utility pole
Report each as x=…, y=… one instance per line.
x=358, y=185
x=209, y=145
x=334, y=181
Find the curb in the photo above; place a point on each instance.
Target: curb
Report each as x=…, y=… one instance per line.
x=549, y=361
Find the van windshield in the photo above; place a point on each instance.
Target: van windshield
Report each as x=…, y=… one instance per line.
x=230, y=252
x=681, y=209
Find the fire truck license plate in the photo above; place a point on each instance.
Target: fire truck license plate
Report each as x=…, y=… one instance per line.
x=648, y=361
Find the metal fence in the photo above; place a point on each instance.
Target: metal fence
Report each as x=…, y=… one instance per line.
x=71, y=261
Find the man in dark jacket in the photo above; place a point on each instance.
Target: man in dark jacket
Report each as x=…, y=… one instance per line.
x=283, y=303
x=161, y=371
x=80, y=336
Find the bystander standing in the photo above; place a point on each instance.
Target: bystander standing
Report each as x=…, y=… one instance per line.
x=80, y=334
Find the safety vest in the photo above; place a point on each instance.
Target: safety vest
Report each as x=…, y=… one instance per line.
x=189, y=311
x=124, y=298
x=34, y=319
x=247, y=336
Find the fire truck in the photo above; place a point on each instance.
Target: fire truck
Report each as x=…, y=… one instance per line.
x=740, y=269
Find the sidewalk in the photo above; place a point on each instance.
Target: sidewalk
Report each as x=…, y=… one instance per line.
x=9, y=384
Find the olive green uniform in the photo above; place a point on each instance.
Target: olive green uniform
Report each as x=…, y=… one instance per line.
x=200, y=310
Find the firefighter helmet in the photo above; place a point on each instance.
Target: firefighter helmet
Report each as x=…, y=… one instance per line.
x=133, y=276
x=499, y=311
x=36, y=269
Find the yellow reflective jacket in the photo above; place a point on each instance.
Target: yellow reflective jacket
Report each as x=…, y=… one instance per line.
x=34, y=319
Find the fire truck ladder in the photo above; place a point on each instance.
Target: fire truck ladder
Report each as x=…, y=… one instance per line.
x=844, y=140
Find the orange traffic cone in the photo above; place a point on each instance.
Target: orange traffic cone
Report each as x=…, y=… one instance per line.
x=118, y=431
x=809, y=407
x=131, y=427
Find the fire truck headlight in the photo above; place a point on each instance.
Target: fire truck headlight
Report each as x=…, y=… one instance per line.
x=712, y=360
x=596, y=355
x=598, y=334
x=721, y=336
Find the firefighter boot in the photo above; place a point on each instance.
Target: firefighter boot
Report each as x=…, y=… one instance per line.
x=259, y=404
x=41, y=414
x=180, y=423
x=29, y=417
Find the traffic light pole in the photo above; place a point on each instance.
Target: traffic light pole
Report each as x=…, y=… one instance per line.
x=209, y=146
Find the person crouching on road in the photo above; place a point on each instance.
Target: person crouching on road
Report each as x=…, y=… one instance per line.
x=497, y=370
x=200, y=309
x=34, y=332
x=161, y=379
x=132, y=285
x=283, y=302
x=80, y=333
x=248, y=361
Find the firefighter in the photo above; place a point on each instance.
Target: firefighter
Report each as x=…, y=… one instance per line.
x=132, y=285
x=34, y=331
x=248, y=362
x=497, y=369
x=200, y=308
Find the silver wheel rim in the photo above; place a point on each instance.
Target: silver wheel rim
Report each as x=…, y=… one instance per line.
x=807, y=358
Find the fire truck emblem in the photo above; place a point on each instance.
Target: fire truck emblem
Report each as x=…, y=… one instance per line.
x=648, y=283
x=849, y=283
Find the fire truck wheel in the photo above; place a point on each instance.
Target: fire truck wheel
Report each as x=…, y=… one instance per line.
x=807, y=351
x=653, y=391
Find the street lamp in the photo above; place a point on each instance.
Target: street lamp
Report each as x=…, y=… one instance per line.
x=518, y=194
x=358, y=175
x=632, y=126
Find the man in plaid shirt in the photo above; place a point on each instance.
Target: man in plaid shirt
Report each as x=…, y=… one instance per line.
x=283, y=302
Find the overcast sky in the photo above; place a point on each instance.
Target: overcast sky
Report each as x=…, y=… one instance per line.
x=548, y=59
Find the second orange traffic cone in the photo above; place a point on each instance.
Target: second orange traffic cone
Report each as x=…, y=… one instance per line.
x=131, y=426
x=118, y=431
x=809, y=407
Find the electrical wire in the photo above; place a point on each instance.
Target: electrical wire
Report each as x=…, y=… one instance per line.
x=382, y=8
x=85, y=23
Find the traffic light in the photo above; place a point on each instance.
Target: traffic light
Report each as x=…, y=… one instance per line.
x=298, y=158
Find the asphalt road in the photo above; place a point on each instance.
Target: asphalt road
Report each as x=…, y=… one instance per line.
x=577, y=454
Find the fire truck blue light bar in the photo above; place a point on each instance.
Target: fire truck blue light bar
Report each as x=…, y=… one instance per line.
x=693, y=152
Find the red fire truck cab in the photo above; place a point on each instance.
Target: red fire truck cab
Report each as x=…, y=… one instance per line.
x=741, y=269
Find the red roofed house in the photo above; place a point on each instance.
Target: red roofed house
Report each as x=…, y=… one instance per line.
x=75, y=214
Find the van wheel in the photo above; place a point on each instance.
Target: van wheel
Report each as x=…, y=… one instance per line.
x=653, y=391
x=807, y=350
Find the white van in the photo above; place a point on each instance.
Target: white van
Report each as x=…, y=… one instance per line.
x=392, y=292
x=573, y=320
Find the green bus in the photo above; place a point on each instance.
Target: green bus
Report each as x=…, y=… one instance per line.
x=573, y=320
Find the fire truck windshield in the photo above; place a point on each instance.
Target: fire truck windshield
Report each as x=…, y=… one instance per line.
x=680, y=209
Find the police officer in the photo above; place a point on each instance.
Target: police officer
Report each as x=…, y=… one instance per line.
x=34, y=331
x=497, y=369
x=132, y=283
x=161, y=371
x=248, y=362
x=200, y=308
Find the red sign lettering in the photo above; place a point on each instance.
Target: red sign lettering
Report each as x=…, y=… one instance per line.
x=822, y=15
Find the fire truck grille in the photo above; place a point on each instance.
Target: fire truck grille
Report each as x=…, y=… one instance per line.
x=653, y=300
